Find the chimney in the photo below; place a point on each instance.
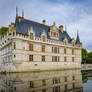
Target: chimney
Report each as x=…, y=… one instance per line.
x=44, y=22
x=20, y=18
x=61, y=28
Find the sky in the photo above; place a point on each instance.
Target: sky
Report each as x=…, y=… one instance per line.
x=75, y=14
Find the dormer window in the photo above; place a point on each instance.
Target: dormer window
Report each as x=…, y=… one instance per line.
x=54, y=34
x=31, y=33
x=31, y=36
x=65, y=42
x=73, y=42
x=43, y=38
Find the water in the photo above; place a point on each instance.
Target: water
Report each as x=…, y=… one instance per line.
x=48, y=81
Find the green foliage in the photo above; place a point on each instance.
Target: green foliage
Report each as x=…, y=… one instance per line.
x=89, y=59
x=86, y=57
x=3, y=31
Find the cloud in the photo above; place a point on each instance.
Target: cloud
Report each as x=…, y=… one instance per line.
x=76, y=15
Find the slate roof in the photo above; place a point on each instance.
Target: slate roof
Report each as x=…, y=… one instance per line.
x=24, y=26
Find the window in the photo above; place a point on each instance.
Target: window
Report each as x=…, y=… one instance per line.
x=31, y=84
x=31, y=36
x=65, y=86
x=73, y=85
x=56, y=80
x=64, y=59
x=72, y=59
x=52, y=49
x=43, y=90
x=73, y=77
x=72, y=51
x=65, y=42
x=64, y=50
x=54, y=34
x=44, y=82
x=65, y=79
x=43, y=48
x=55, y=58
x=30, y=57
x=52, y=58
x=73, y=43
x=14, y=45
x=55, y=50
x=58, y=50
x=30, y=47
x=43, y=58
x=56, y=89
x=43, y=37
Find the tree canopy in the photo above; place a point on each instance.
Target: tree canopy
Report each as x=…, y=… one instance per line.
x=86, y=57
x=3, y=31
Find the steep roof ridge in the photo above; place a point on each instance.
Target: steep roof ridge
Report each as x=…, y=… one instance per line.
x=36, y=22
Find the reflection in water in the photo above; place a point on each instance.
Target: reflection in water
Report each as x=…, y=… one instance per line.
x=49, y=81
x=87, y=87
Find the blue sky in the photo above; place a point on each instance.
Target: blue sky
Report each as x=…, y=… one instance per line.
x=76, y=14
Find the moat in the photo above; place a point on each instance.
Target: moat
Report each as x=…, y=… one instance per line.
x=47, y=81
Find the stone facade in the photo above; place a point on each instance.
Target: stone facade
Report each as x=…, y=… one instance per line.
x=21, y=52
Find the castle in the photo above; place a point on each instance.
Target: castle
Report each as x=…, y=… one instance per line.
x=30, y=46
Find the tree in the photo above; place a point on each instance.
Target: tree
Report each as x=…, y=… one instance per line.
x=89, y=59
x=3, y=31
x=84, y=55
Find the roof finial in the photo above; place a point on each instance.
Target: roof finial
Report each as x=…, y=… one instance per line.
x=16, y=11
x=54, y=23
x=77, y=32
x=22, y=13
x=65, y=27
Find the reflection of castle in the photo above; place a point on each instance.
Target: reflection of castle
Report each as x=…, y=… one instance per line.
x=51, y=81
x=34, y=46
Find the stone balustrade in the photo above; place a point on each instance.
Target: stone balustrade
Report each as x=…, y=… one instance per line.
x=26, y=37
x=86, y=66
